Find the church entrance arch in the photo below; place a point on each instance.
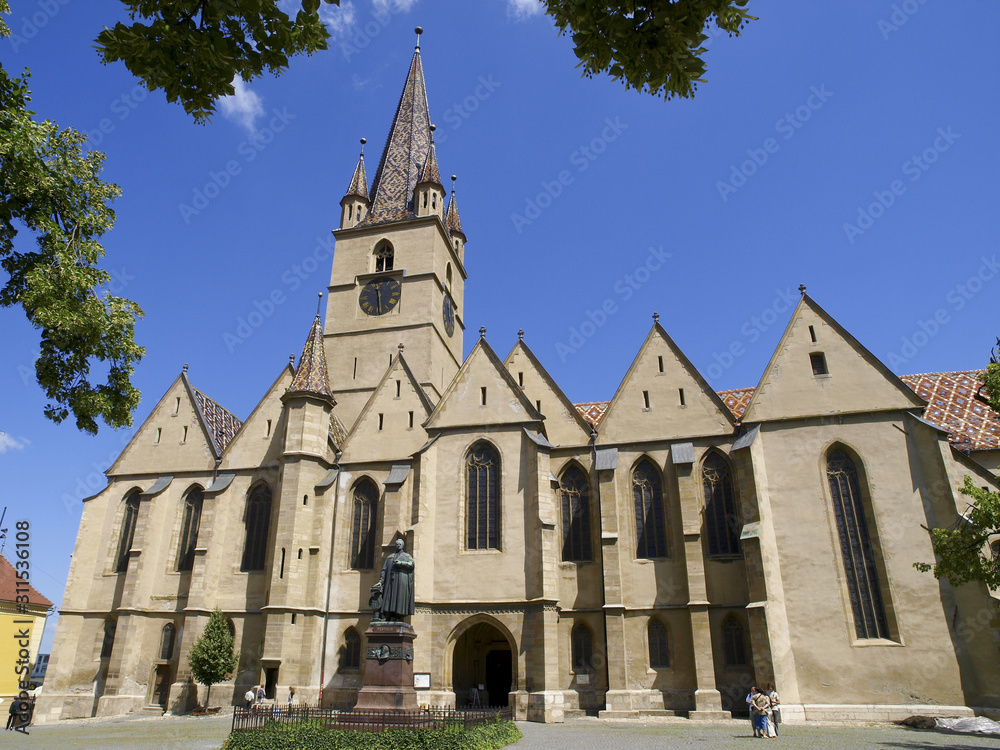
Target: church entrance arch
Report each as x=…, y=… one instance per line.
x=483, y=664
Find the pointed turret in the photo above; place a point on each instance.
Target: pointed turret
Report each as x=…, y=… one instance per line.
x=406, y=151
x=454, y=223
x=311, y=376
x=355, y=204
x=428, y=198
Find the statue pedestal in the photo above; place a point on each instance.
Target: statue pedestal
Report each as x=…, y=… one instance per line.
x=388, y=681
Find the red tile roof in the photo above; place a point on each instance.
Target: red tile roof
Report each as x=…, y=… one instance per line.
x=9, y=589
x=951, y=405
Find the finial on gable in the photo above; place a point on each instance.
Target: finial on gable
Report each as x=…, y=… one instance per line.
x=520, y=335
x=419, y=31
x=319, y=303
x=482, y=332
x=185, y=367
x=802, y=289
x=291, y=360
x=363, y=142
x=400, y=347
x=656, y=318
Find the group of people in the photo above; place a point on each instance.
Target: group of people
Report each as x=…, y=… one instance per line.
x=255, y=696
x=765, y=713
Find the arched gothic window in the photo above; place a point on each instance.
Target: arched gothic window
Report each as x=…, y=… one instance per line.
x=659, y=644
x=128, y=531
x=860, y=565
x=482, y=507
x=189, y=528
x=650, y=525
x=447, y=275
x=108, y=643
x=722, y=523
x=583, y=648
x=575, y=494
x=167, y=638
x=258, y=523
x=734, y=645
x=365, y=517
x=384, y=257
x=352, y=650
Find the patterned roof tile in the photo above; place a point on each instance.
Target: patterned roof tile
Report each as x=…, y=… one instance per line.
x=359, y=182
x=311, y=375
x=451, y=218
x=406, y=150
x=429, y=172
x=221, y=422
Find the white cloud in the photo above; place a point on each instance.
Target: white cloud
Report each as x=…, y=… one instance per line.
x=243, y=107
x=339, y=19
x=394, y=6
x=9, y=443
x=522, y=9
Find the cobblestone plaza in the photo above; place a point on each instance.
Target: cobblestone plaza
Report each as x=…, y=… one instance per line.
x=201, y=733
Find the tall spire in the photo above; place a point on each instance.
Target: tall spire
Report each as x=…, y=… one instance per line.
x=451, y=219
x=406, y=150
x=311, y=376
x=359, y=182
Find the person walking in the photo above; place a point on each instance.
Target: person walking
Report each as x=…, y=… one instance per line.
x=248, y=696
x=775, y=711
x=759, y=707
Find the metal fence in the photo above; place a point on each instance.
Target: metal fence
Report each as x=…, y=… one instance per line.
x=253, y=718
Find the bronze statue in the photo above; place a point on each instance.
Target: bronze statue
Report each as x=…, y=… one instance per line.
x=392, y=595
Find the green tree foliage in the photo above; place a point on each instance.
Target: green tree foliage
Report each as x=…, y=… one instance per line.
x=654, y=46
x=52, y=188
x=195, y=49
x=212, y=658
x=963, y=551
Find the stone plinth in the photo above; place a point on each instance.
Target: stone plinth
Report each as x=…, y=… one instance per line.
x=388, y=681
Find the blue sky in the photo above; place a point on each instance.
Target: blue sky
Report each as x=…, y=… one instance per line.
x=848, y=146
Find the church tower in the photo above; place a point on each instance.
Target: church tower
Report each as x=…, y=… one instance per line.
x=398, y=275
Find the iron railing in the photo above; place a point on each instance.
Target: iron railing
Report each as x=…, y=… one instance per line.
x=253, y=718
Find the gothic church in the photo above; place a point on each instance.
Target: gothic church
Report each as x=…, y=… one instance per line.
x=656, y=554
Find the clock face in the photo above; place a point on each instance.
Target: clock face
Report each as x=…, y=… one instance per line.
x=448, y=313
x=379, y=295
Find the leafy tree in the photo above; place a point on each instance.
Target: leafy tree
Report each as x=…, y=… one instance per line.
x=653, y=46
x=194, y=49
x=52, y=187
x=964, y=552
x=212, y=658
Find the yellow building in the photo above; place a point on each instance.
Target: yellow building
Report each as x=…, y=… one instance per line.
x=22, y=622
x=656, y=554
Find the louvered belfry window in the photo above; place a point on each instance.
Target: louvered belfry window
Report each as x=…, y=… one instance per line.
x=860, y=565
x=650, y=528
x=189, y=529
x=365, y=517
x=575, y=493
x=722, y=524
x=258, y=523
x=483, y=498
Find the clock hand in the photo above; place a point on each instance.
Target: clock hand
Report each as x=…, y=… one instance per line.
x=378, y=293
